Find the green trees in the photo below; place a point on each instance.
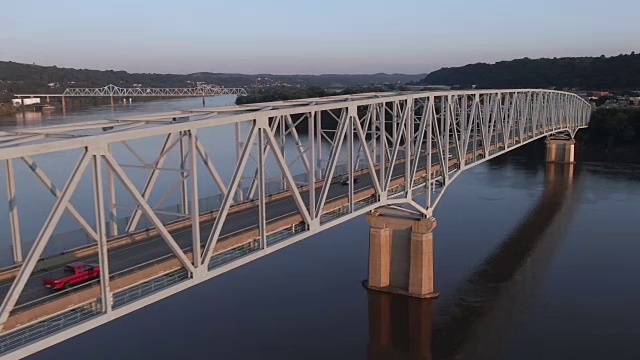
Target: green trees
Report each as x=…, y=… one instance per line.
x=289, y=93
x=591, y=73
x=613, y=135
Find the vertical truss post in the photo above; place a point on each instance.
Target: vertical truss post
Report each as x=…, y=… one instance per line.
x=318, y=120
x=383, y=148
x=312, y=166
x=195, y=206
x=350, y=117
x=16, y=243
x=262, y=194
x=374, y=134
x=101, y=230
x=113, y=215
x=184, y=195
x=408, y=140
x=239, y=147
x=461, y=151
x=394, y=125
x=474, y=123
x=430, y=119
x=447, y=127
x=281, y=141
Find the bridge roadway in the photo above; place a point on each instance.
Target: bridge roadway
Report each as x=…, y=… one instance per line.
x=140, y=252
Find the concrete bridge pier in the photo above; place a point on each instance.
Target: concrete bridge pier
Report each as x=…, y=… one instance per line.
x=401, y=254
x=560, y=150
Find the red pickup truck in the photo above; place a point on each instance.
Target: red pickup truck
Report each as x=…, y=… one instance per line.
x=72, y=274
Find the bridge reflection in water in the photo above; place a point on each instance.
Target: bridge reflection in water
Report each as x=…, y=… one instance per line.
x=474, y=321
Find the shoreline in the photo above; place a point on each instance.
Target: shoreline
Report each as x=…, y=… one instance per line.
x=82, y=103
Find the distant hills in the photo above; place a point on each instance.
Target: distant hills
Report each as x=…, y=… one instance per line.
x=25, y=78
x=586, y=73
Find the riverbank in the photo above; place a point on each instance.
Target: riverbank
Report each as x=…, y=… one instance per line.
x=613, y=135
x=7, y=109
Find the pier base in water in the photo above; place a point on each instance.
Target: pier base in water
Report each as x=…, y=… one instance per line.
x=561, y=150
x=401, y=255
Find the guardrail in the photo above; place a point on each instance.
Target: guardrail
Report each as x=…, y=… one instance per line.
x=46, y=327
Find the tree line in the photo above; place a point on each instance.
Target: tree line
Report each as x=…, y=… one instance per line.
x=613, y=135
x=289, y=93
x=587, y=73
x=24, y=78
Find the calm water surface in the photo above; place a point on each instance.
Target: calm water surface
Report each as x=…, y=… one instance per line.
x=530, y=262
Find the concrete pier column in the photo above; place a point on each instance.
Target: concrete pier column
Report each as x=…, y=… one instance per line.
x=379, y=255
x=560, y=151
x=421, y=268
x=64, y=108
x=401, y=254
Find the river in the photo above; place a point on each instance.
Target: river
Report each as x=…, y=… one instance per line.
x=531, y=261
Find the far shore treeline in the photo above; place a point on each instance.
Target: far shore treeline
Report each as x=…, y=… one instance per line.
x=613, y=135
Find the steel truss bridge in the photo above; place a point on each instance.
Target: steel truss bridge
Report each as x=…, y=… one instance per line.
x=112, y=90
x=292, y=176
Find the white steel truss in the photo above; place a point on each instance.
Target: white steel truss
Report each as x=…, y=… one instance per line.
x=112, y=90
x=334, y=158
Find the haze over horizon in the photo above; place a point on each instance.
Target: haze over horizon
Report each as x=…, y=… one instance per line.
x=292, y=37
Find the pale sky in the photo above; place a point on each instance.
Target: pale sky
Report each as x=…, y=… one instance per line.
x=309, y=37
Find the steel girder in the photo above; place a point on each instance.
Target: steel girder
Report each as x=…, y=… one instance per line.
x=112, y=90
x=397, y=145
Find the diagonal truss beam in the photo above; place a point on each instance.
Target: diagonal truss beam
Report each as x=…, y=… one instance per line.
x=56, y=193
x=333, y=160
x=367, y=153
x=289, y=178
x=43, y=238
x=151, y=180
x=146, y=209
x=228, y=199
x=210, y=167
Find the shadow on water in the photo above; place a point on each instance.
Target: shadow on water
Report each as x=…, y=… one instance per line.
x=472, y=322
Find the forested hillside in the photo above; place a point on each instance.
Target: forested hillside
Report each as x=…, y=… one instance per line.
x=24, y=78
x=587, y=73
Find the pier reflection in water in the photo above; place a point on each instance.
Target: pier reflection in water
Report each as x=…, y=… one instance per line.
x=475, y=320
x=399, y=327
